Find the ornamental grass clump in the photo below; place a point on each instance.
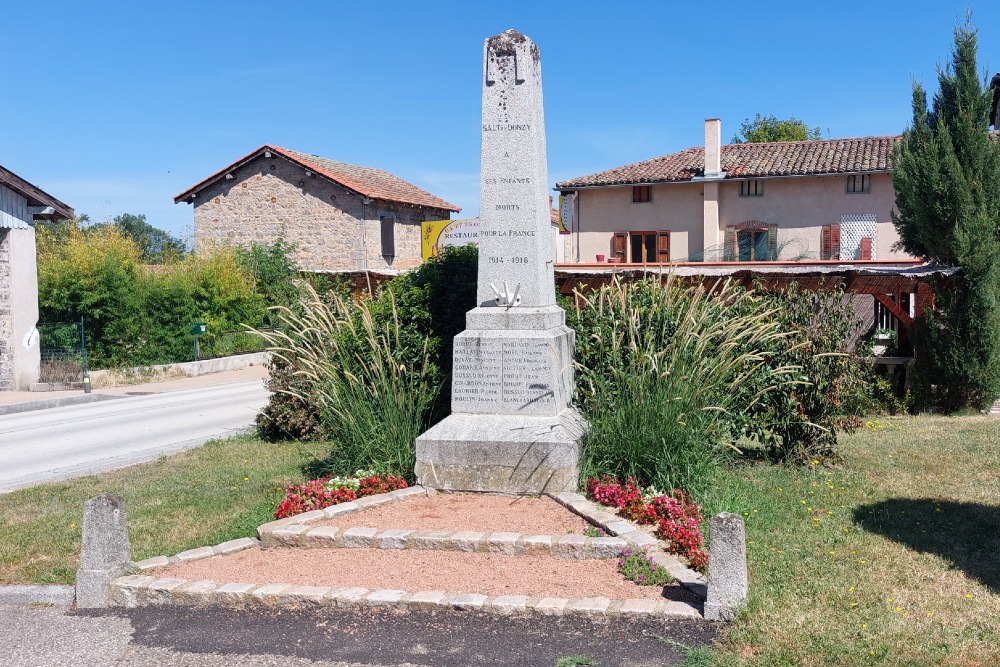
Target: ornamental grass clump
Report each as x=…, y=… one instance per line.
x=372, y=404
x=667, y=375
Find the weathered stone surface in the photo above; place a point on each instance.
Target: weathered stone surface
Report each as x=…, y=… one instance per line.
x=394, y=538
x=150, y=563
x=384, y=598
x=640, y=538
x=537, y=545
x=727, y=568
x=572, y=546
x=505, y=543
x=322, y=537
x=429, y=539
x=355, y=538
x=233, y=593
x=642, y=607
x=408, y=492
x=468, y=541
x=345, y=597
x=269, y=593
x=343, y=508
x=161, y=590
x=471, y=601
x=606, y=547
x=106, y=553
x=619, y=527
x=312, y=595
x=195, y=592
x=311, y=515
x=551, y=606
x=675, y=608
x=127, y=591
x=374, y=501
x=232, y=546
x=428, y=599
x=195, y=554
x=289, y=536
x=597, y=606
x=508, y=604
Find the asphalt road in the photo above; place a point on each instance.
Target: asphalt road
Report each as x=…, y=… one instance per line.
x=216, y=637
x=58, y=443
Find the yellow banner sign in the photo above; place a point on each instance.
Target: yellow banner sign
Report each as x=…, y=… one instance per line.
x=438, y=234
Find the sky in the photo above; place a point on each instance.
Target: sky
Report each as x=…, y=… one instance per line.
x=116, y=107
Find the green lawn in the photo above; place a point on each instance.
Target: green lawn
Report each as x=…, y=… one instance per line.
x=218, y=492
x=892, y=558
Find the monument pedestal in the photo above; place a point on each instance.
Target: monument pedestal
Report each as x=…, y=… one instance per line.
x=501, y=453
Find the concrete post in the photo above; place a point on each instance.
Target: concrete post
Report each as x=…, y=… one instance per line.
x=727, y=568
x=106, y=553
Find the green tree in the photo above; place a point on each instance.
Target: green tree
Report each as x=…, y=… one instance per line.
x=769, y=128
x=157, y=246
x=947, y=179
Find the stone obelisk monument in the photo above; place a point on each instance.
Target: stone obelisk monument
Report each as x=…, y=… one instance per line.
x=511, y=429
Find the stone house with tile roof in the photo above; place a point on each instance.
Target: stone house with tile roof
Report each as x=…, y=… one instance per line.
x=340, y=217
x=780, y=201
x=21, y=203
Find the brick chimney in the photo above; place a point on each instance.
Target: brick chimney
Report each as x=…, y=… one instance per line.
x=713, y=148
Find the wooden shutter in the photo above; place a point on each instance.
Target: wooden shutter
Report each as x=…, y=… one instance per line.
x=618, y=243
x=729, y=244
x=830, y=242
x=866, y=248
x=772, y=243
x=388, y=238
x=663, y=246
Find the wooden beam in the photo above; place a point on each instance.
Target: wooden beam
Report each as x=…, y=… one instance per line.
x=904, y=318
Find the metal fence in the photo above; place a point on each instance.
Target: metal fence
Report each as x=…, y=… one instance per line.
x=62, y=354
x=228, y=343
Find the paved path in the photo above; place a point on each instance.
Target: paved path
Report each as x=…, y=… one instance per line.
x=41, y=446
x=173, y=636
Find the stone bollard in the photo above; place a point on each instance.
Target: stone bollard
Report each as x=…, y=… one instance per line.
x=727, y=568
x=106, y=553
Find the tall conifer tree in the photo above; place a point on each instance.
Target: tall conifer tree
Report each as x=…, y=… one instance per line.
x=947, y=181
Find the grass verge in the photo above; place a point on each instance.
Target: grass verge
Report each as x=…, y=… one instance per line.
x=204, y=496
x=892, y=558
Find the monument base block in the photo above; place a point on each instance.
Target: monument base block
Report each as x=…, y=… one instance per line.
x=501, y=453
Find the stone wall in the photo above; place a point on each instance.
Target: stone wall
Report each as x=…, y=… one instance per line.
x=6, y=315
x=333, y=228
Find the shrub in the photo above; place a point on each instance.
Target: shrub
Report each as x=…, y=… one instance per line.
x=668, y=376
x=425, y=307
x=372, y=403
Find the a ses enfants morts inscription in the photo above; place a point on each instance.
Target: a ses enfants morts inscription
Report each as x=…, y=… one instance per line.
x=511, y=428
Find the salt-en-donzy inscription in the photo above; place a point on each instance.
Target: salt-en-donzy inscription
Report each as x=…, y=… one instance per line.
x=503, y=375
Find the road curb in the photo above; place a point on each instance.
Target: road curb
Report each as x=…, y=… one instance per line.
x=14, y=408
x=26, y=594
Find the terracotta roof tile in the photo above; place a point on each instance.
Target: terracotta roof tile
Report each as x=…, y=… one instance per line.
x=367, y=181
x=780, y=158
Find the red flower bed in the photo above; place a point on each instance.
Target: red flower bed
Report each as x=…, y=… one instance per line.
x=324, y=492
x=676, y=515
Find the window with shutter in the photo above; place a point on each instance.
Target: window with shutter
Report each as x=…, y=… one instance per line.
x=662, y=246
x=618, y=242
x=866, y=248
x=388, y=230
x=729, y=244
x=830, y=242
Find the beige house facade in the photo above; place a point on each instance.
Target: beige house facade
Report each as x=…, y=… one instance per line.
x=822, y=200
x=340, y=217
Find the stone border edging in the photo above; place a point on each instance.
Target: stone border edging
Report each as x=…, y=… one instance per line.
x=615, y=525
x=37, y=594
x=230, y=547
x=139, y=590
